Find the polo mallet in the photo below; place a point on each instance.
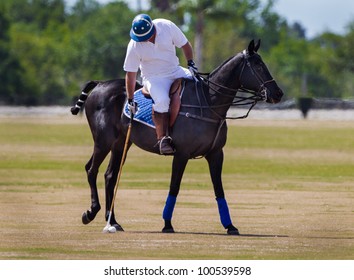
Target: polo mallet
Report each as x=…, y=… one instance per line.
x=108, y=228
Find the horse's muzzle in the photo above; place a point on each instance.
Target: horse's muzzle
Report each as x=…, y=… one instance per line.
x=274, y=97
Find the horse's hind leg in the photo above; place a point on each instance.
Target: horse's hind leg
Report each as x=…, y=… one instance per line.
x=91, y=168
x=215, y=161
x=111, y=178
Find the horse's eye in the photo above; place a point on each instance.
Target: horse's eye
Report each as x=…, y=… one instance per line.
x=259, y=66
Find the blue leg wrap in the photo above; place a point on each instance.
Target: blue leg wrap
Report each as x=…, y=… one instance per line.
x=169, y=207
x=224, y=212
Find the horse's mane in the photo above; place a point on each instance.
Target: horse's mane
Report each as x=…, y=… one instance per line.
x=222, y=64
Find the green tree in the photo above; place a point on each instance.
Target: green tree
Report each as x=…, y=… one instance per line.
x=304, y=67
x=47, y=50
x=345, y=50
x=99, y=43
x=161, y=5
x=11, y=72
x=38, y=12
x=36, y=40
x=216, y=23
x=340, y=60
x=270, y=26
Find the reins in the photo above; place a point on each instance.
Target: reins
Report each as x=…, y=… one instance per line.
x=237, y=100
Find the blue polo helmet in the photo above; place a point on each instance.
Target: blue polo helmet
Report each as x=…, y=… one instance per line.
x=142, y=28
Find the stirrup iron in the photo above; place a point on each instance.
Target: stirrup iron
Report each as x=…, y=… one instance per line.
x=165, y=146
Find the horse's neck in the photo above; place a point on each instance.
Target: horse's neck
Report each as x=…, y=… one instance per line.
x=227, y=76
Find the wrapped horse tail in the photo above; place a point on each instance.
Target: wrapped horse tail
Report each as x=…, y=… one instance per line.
x=89, y=86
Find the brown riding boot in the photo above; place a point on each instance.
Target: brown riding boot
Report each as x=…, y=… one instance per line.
x=164, y=141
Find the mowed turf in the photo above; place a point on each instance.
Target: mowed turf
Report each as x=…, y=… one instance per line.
x=289, y=184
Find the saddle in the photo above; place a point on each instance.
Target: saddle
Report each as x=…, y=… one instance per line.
x=175, y=99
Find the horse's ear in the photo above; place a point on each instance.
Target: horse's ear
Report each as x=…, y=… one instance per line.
x=257, y=45
x=251, y=48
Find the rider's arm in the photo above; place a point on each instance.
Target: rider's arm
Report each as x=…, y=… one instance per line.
x=130, y=80
x=188, y=51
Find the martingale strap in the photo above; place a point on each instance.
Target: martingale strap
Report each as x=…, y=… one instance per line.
x=193, y=116
x=220, y=121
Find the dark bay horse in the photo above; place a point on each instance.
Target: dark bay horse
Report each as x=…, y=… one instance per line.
x=200, y=129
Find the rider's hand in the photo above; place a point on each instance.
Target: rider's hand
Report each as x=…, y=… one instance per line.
x=132, y=106
x=192, y=68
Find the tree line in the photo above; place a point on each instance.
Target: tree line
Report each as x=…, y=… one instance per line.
x=49, y=49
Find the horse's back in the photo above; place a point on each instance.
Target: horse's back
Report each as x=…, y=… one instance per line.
x=103, y=109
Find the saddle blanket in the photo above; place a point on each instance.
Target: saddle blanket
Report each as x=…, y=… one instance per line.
x=144, y=112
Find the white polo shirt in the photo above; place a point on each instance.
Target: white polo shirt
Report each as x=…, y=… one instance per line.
x=156, y=59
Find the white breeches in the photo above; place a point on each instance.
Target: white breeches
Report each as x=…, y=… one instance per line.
x=159, y=88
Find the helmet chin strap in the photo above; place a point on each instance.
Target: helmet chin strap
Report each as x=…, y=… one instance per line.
x=152, y=38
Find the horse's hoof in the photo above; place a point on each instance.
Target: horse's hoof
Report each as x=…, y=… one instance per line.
x=85, y=218
x=118, y=227
x=231, y=230
x=168, y=230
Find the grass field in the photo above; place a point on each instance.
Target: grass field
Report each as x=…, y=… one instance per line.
x=289, y=184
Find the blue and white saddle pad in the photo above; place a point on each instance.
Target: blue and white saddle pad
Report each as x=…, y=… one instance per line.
x=144, y=112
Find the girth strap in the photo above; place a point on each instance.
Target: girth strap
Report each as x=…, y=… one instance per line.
x=219, y=122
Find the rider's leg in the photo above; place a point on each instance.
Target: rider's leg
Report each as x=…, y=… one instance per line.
x=159, y=91
x=164, y=141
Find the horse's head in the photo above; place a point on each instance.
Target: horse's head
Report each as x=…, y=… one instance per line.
x=255, y=75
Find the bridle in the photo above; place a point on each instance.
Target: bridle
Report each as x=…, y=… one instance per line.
x=237, y=100
x=262, y=90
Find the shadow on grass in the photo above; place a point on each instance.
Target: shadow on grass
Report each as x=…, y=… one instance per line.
x=245, y=235
x=213, y=234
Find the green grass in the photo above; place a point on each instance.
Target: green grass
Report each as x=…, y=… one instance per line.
x=289, y=186
x=37, y=134
x=323, y=137
x=58, y=152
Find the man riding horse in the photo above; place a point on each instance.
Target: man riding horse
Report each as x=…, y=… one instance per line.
x=152, y=49
x=200, y=128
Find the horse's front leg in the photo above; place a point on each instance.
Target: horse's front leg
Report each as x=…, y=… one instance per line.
x=178, y=166
x=215, y=161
